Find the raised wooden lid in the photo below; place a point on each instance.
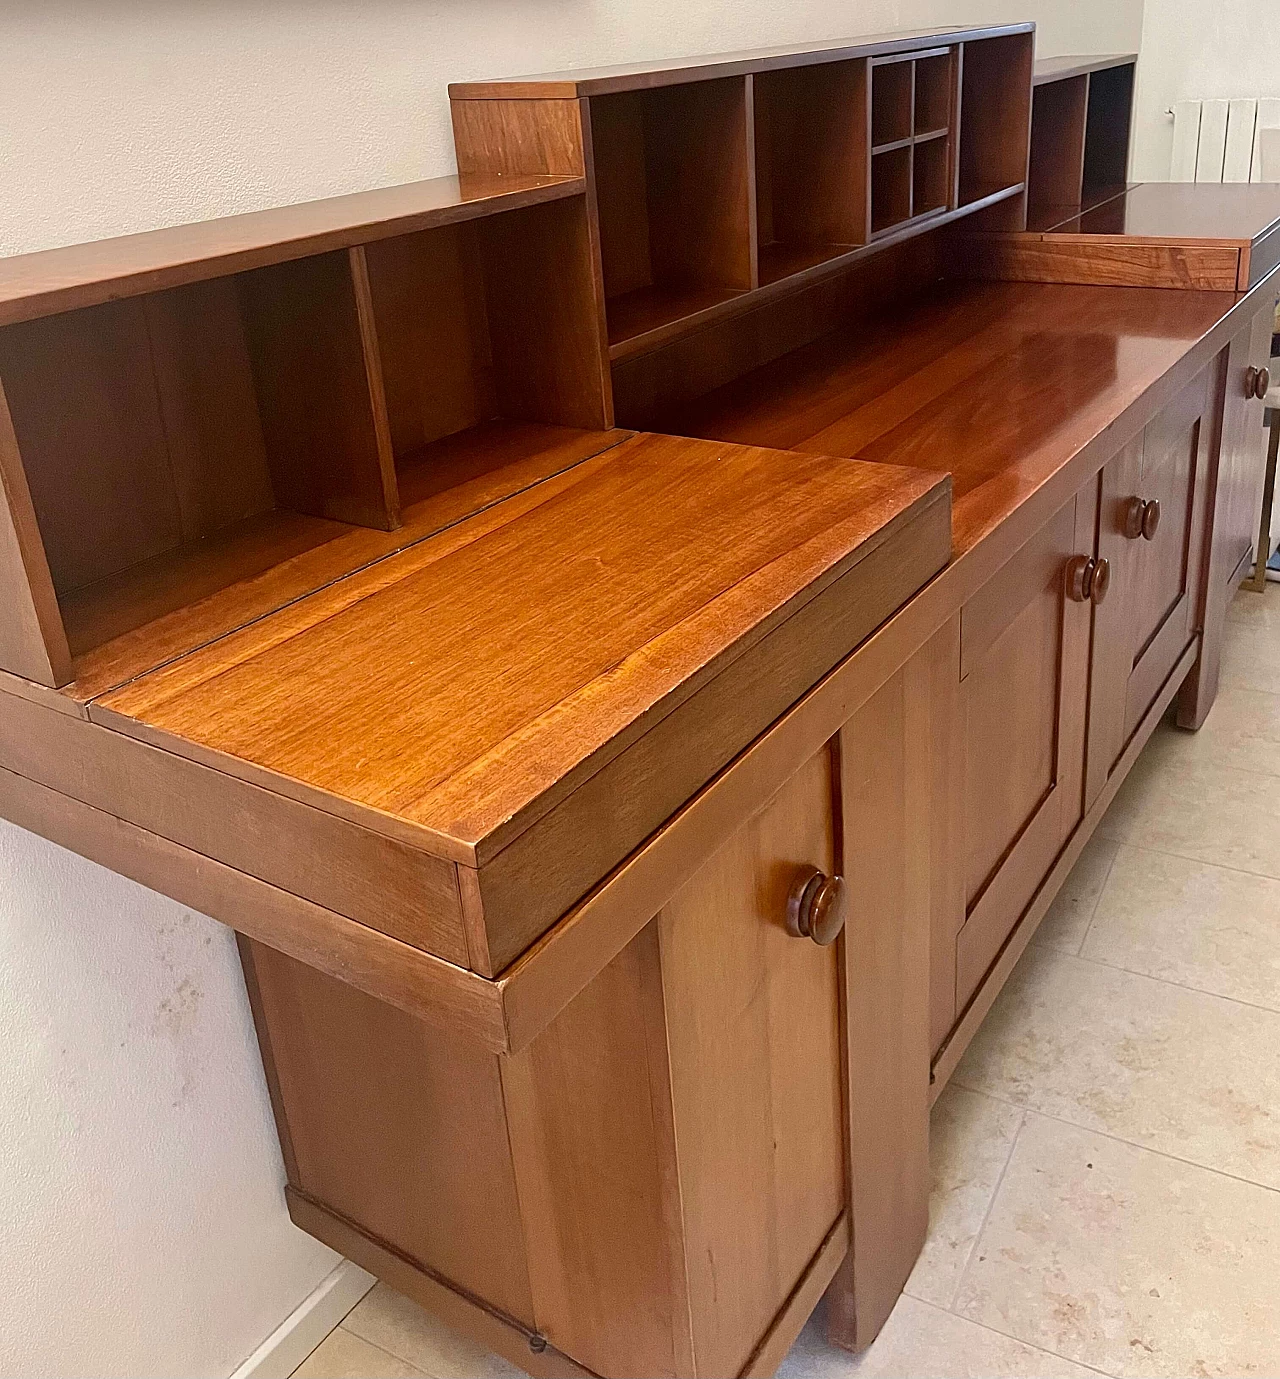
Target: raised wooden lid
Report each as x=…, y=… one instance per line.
x=440, y=694
x=81, y=275
x=599, y=81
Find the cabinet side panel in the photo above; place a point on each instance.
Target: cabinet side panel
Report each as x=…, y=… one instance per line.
x=515, y=136
x=886, y=782
x=752, y=1018
x=396, y=1126
x=589, y=1113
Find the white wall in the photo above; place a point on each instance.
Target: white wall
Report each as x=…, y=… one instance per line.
x=144, y=1229
x=1192, y=50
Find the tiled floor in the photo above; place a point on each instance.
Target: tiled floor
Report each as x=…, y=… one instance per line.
x=1106, y=1192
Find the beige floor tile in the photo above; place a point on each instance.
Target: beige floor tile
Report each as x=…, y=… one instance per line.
x=1206, y=812
x=1242, y=731
x=920, y=1341
x=1065, y=924
x=400, y=1326
x=1251, y=646
x=1189, y=1074
x=970, y=1139
x=344, y=1356
x=1191, y=923
x=1127, y=1260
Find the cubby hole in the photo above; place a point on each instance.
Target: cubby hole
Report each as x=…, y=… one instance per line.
x=1106, y=140
x=933, y=98
x=890, y=189
x=995, y=112
x=672, y=196
x=811, y=170
x=1057, y=150
x=930, y=175
x=487, y=340
x=891, y=101
x=182, y=441
x=201, y=456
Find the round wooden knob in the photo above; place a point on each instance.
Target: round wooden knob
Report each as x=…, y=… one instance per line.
x=1262, y=385
x=1134, y=510
x=1150, y=519
x=816, y=906
x=1079, y=577
x=1100, y=581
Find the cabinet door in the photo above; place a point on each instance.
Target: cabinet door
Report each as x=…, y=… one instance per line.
x=1024, y=650
x=1236, y=505
x=1151, y=531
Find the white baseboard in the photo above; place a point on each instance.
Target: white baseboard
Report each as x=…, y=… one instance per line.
x=308, y=1324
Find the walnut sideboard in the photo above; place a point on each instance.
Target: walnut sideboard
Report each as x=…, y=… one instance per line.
x=632, y=638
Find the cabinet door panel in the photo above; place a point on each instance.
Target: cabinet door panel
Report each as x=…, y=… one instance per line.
x=1149, y=617
x=1234, y=505
x=754, y=1044
x=1024, y=668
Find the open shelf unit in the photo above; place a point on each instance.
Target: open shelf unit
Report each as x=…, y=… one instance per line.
x=1080, y=129
x=199, y=455
x=716, y=180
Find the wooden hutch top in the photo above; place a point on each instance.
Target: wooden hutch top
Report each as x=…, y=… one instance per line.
x=330, y=567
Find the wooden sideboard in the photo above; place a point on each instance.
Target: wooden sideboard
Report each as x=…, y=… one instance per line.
x=633, y=638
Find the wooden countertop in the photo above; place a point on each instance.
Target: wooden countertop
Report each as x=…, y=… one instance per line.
x=999, y=385
x=445, y=689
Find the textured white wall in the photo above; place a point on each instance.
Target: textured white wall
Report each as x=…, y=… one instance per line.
x=142, y=1226
x=1193, y=51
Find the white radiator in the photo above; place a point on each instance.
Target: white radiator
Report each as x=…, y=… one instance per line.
x=1226, y=141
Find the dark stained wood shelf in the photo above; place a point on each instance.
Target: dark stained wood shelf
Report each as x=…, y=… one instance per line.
x=649, y=309
x=780, y=261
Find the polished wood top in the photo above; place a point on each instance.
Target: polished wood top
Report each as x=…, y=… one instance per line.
x=1049, y=69
x=80, y=275
x=999, y=385
x=122, y=627
x=451, y=685
x=598, y=81
x=1234, y=213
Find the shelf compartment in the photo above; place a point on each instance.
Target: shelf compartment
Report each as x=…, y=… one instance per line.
x=890, y=189
x=1107, y=127
x=672, y=180
x=930, y=177
x=1057, y=146
x=811, y=164
x=995, y=114
x=201, y=456
x=934, y=91
x=892, y=100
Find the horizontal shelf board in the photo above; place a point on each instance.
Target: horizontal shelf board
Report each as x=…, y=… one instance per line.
x=81, y=275
x=649, y=309
x=601, y=81
x=779, y=261
x=1048, y=69
x=931, y=134
x=745, y=301
x=892, y=146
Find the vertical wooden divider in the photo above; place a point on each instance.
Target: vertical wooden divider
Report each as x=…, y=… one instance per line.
x=749, y=153
x=372, y=352
x=33, y=641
